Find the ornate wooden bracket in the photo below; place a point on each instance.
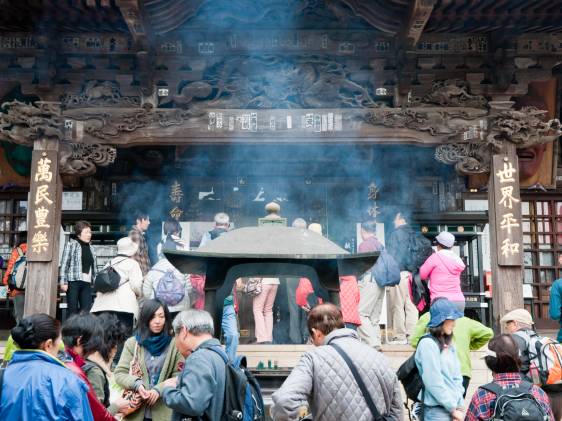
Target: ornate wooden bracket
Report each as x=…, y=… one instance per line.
x=23, y=124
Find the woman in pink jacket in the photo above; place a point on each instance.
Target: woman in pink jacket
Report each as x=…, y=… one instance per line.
x=443, y=269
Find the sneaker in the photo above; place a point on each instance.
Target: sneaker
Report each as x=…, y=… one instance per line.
x=415, y=412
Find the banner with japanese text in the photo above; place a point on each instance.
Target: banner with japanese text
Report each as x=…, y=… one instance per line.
x=42, y=209
x=508, y=210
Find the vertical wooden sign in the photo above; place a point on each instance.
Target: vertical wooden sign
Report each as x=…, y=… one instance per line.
x=43, y=227
x=506, y=239
x=42, y=206
x=507, y=198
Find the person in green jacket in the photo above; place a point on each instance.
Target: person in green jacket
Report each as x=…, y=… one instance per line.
x=158, y=357
x=468, y=335
x=98, y=364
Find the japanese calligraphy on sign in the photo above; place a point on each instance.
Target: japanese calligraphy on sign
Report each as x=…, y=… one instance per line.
x=507, y=210
x=42, y=212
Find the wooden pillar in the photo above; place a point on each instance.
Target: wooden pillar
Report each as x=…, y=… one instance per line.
x=43, y=225
x=506, y=238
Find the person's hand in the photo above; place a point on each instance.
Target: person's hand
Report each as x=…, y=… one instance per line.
x=457, y=415
x=121, y=403
x=173, y=382
x=143, y=392
x=306, y=308
x=153, y=396
x=64, y=288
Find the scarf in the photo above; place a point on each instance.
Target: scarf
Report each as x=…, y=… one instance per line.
x=87, y=257
x=156, y=344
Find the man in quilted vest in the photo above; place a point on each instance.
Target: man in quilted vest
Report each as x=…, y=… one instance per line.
x=323, y=381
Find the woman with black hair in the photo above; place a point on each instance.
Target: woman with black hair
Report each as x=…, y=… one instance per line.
x=78, y=269
x=61, y=395
x=154, y=352
x=98, y=364
x=439, y=367
x=82, y=335
x=504, y=362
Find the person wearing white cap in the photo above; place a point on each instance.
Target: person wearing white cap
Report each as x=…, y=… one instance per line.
x=519, y=323
x=443, y=269
x=123, y=301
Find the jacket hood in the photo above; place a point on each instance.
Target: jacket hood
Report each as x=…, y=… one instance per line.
x=27, y=355
x=98, y=359
x=340, y=333
x=451, y=261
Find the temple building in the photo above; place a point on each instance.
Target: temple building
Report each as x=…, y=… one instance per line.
x=340, y=111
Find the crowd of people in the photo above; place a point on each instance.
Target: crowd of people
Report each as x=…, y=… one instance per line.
x=144, y=349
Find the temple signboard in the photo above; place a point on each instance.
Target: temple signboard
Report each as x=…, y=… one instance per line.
x=508, y=211
x=42, y=213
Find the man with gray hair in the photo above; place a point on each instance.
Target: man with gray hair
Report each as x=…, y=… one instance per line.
x=199, y=390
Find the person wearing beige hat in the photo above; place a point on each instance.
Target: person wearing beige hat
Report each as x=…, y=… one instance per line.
x=519, y=323
x=123, y=302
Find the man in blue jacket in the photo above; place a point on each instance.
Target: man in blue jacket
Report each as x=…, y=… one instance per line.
x=199, y=390
x=556, y=301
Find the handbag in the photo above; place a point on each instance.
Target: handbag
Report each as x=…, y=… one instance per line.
x=368, y=399
x=253, y=287
x=134, y=398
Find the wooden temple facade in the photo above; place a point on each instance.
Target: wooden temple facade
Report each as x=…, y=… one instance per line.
x=178, y=105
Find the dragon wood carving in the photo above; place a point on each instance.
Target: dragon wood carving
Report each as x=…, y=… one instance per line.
x=23, y=123
x=524, y=128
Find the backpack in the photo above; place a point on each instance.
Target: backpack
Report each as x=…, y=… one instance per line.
x=419, y=293
x=409, y=375
x=419, y=249
x=88, y=365
x=516, y=403
x=545, y=358
x=108, y=279
x=170, y=289
x=386, y=270
x=242, y=395
x=19, y=272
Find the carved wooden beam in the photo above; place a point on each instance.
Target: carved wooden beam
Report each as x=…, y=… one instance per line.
x=26, y=124
x=138, y=26
x=417, y=18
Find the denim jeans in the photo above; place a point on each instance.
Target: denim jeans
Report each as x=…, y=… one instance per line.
x=435, y=413
x=230, y=331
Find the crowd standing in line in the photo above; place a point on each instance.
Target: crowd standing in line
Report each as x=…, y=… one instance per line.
x=172, y=366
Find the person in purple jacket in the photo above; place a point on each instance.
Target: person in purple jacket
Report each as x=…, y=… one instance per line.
x=443, y=270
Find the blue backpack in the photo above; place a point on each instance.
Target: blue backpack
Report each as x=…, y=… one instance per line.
x=386, y=271
x=170, y=289
x=242, y=395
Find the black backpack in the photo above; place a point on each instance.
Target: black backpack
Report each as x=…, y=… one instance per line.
x=419, y=249
x=242, y=395
x=409, y=375
x=108, y=279
x=516, y=403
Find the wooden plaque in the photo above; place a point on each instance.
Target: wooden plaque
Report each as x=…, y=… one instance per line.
x=507, y=208
x=43, y=206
